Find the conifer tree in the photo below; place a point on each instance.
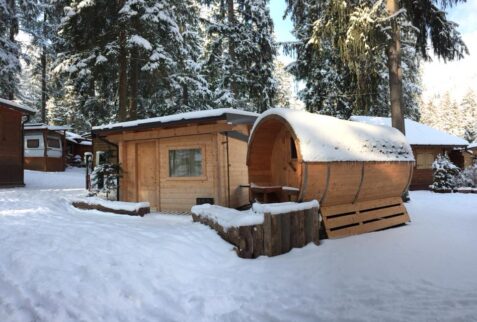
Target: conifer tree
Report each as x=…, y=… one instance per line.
x=239, y=54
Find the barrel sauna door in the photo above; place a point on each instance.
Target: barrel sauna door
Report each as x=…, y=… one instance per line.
x=147, y=183
x=286, y=170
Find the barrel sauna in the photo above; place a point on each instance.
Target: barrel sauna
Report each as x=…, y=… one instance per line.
x=358, y=172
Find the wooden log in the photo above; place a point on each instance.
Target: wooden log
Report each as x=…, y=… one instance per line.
x=272, y=235
x=246, y=239
x=316, y=226
x=308, y=226
x=285, y=229
x=86, y=206
x=298, y=229
x=258, y=249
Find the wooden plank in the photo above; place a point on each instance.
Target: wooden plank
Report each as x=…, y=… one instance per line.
x=308, y=225
x=285, y=228
x=379, y=213
x=316, y=226
x=267, y=234
x=297, y=220
x=384, y=223
x=258, y=249
x=342, y=221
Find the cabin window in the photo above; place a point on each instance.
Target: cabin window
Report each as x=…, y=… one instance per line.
x=424, y=160
x=54, y=143
x=33, y=143
x=293, y=153
x=185, y=163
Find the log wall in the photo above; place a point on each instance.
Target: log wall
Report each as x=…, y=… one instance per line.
x=277, y=235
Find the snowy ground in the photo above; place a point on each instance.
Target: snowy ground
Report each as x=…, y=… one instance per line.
x=58, y=263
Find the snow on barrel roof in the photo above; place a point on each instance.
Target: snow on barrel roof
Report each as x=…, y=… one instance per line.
x=17, y=106
x=179, y=117
x=416, y=133
x=326, y=138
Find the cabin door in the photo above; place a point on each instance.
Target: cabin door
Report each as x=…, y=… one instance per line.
x=147, y=181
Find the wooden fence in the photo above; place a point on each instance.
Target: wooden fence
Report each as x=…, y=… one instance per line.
x=277, y=235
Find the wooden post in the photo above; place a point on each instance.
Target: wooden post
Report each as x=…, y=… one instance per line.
x=285, y=223
x=272, y=235
x=316, y=226
x=258, y=249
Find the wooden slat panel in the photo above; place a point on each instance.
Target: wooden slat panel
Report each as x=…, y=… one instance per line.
x=380, y=213
x=353, y=222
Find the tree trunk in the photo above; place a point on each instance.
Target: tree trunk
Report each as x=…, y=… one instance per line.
x=232, y=22
x=123, y=65
x=395, y=71
x=43, y=73
x=13, y=31
x=43, y=85
x=133, y=82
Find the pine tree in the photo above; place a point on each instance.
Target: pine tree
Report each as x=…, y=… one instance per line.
x=365, y=30
x=445, y=174
x=468, y=106
x=332, y=87
x=239, y=54
x=128, y=59
x=9, y=49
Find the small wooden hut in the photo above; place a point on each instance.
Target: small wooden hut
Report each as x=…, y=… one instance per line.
x=175, y=162
x=357, y=172
x=426, y=143
x=11, y=139
x=76, y=147
x=45, y=147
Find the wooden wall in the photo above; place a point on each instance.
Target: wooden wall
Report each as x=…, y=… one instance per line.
x=144, y=158
x=11, y=148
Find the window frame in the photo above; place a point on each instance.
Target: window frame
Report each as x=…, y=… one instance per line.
x=48, y=138
x=419, y=162
x=33, y=147
x=203, y=175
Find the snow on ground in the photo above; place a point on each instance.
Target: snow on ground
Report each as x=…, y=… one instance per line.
x=58, y=263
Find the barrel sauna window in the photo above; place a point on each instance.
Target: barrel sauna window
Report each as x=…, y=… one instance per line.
x=185, y=163
x=293, y=152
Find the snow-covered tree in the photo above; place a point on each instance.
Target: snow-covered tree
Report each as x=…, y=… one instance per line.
x=468, y=107
x=239, y=54
x=445, y=174
x=9, y=48
x=285, y=81
x=332, y=87
x=128, y=59
x=363, y=31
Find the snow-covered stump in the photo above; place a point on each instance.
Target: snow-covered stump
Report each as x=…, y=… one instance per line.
x=116, y=207
x=272, y=229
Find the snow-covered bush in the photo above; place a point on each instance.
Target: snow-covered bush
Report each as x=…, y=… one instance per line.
x=105, y=178
x=445, y=174
x=468, y=177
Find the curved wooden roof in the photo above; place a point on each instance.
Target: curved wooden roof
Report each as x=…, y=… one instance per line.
x=327, y=139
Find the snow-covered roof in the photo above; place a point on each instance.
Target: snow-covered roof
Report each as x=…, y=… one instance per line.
x=416, y=133
x=17, y=106
x=473, y=145
x=325, y=139
x=196, y=115
x=41, y=126
x=77, y=139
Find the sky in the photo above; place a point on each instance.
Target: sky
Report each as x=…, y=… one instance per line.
x=456, y=77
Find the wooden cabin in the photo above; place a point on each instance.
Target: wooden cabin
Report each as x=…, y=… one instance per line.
x=76, y=146
x=357, y=172
x=426, y=143
x=11, y=137
x=177, y=161
x=45, y=147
